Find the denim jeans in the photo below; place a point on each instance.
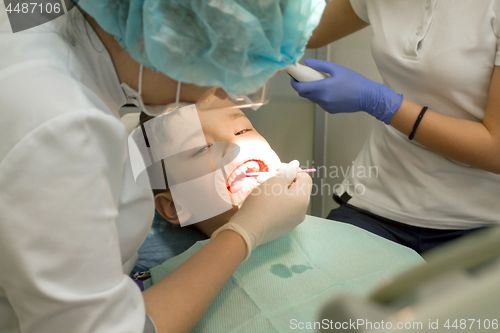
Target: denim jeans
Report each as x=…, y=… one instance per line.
x=419, y=239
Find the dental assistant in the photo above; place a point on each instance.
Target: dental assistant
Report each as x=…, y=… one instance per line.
x=437, y=145
x=71, y=216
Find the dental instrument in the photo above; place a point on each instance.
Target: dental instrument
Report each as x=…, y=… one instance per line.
x=304, y=73
x=459, y=280
x=353, y=92
x=251, y=174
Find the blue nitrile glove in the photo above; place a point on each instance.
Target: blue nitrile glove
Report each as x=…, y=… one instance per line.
x=348, y=91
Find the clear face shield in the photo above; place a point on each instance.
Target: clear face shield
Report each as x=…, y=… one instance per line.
x=205, y=178
x=217, y=98
x=212, y=98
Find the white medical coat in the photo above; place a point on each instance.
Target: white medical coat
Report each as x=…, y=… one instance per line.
x=71, y=216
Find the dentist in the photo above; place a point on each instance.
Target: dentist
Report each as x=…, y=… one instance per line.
x=71, y=215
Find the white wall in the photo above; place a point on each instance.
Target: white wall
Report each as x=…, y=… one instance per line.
x=346, y=133
x=287, y=121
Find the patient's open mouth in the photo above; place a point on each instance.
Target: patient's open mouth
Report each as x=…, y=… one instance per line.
x=238, y=181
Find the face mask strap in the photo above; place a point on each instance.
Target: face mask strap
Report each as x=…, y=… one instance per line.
x=178, y=93
x=141, y=70
x=139, y=98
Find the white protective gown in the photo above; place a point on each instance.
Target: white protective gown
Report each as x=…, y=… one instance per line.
x=71, y=216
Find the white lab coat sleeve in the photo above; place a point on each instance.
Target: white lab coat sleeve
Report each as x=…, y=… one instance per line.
x=360, y=9
x=60, y=260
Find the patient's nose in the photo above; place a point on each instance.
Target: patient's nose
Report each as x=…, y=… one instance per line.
x=230, y=147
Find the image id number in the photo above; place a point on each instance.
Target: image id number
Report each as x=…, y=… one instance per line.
x=34, y=7
x=470, y=324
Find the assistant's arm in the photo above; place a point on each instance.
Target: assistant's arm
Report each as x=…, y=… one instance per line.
x=473, y=143
x=338, y=20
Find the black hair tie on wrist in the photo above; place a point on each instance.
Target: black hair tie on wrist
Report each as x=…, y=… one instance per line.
x=417, y=122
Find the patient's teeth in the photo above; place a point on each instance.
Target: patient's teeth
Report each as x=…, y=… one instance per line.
x=249, y=166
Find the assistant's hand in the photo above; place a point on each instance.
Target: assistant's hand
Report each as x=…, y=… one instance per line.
x=273, y=209
x=348, y=91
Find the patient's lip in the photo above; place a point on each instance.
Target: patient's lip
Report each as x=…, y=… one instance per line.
x=238, y=175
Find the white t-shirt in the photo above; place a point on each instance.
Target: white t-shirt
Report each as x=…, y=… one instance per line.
x=441, y=54
x=71, y=216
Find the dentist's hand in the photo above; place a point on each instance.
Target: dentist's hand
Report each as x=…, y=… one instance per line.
x=348, y=91
x=273, y=209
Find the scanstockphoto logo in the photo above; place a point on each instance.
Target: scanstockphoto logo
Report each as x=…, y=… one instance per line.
x=25, y=15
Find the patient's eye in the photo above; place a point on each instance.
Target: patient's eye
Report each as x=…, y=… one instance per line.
x=243, y=131
x=202, y=149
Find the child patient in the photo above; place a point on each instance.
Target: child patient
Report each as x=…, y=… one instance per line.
x=231, y=147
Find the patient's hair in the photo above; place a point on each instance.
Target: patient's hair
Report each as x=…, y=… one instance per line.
x=143, y=118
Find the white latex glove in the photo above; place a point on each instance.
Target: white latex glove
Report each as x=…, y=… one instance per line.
x=273, y=209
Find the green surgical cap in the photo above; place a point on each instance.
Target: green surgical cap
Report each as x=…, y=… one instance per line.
x=236, y=44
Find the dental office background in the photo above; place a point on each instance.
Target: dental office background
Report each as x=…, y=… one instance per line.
x=298, y=129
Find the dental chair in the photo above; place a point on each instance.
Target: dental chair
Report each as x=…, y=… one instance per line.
x=458, y=289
